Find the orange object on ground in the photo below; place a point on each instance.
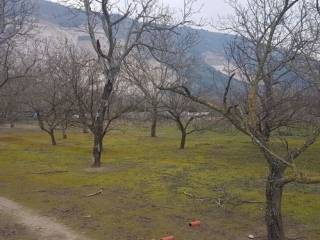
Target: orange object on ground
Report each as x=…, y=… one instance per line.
x=195, y=223
x=168, y=238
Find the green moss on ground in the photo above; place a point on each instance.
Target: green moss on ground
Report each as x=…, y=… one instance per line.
x=147, y=184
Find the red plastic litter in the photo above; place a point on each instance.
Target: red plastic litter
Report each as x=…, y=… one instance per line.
x=195, y=223
x=168, y=238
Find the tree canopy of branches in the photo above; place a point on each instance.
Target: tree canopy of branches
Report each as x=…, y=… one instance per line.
x=15, y=24
x=49, y=97
x=184, y=112
x=86, y=81
x=143, y=20
x=147, y=75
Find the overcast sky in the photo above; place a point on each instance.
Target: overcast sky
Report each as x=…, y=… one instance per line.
x=209, y=9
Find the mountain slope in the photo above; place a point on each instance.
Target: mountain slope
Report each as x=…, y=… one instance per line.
x=56, y=20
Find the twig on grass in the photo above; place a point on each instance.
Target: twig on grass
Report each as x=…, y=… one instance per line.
x=50, y=172
x=95, y=194
x=222, y=200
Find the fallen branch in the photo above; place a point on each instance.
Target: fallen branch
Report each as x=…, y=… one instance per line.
x=247, y=201
x=188, y=194
x=40, y=190
x=50, y=172
x=95, y=194
x=221, y=200
x=195, y=198
x=158, y=206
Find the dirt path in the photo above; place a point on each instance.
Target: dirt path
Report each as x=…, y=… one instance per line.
x=43, y=228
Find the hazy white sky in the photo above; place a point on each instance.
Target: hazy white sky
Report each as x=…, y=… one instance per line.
x=209, y=9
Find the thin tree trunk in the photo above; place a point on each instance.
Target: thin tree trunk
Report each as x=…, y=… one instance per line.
x=99, y=128
x=64, y=133
x=97, y=151
x=84, y=129
x=53, y=139
x=154, y=123
x=273, y=215
x=2, y=17
x=183, y=139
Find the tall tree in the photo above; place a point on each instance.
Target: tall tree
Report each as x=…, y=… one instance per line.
x=133, y=27
x=270, y=36
x=84, y=80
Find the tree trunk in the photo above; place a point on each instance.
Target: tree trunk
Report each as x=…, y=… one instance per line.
x=273, y=215
x=2, y=17
x=64, y=133
x=183, y=139
x=84, y=129
x=53, y=139
x=97, y=151
x=154, y=124
x=100, y=117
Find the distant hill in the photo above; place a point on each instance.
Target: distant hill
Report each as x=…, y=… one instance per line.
x=58, y=20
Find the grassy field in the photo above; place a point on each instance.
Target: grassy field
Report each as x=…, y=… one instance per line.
x=150, y=187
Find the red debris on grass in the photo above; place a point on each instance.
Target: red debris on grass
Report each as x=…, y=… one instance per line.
x=195, y=223
x=168, y=238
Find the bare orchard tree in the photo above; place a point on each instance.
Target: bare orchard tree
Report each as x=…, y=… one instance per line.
x=16, y=62
x=147, y=75
x=185, y=113
x=125, y=27
x=308, y=65
x=269, y=37
x=87, y=91
x=15, y=24
x=47, y=105
x=12, y=98
x=149, y=70
x=85, y=78
x=49, y=96
x=12, y=93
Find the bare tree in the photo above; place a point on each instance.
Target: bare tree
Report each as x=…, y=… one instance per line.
x=87, y=91
x=15, y=24
x=12, y=98
x=86, y=80
x=132, y=27
x=16, y=62
x=184, y=112
x=269, y=37
x=47, y=106
x=49, y=94
x=147, y=75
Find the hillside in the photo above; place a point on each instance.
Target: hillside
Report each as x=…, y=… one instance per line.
x=57, y=20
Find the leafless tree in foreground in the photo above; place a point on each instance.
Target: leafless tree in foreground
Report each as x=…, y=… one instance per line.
x=270, y=36
x=132, y=27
